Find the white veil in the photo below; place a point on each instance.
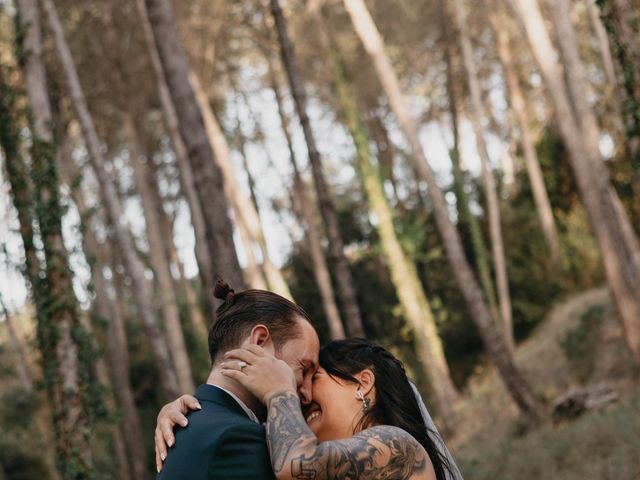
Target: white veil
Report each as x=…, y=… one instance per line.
x=454, y=474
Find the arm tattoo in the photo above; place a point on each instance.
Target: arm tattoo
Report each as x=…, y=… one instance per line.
x=382, y=452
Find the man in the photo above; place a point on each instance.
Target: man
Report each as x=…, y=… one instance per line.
x=224, y=438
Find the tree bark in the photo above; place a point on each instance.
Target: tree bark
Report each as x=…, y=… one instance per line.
x=518, y=106
x=619, y=258
x=466, y=217
x=115, y=338
x=159, y=261
x=244, y=211
x=113, y=205
x=404, y=274
x=304, y=206
x=206, y=172
x=59, y=324
x=494, y=342
x=477, y=114
x=203, y=256
x=603, y=42
x=342, y=275
x=621, y=22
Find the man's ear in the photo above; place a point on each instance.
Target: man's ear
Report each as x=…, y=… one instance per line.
x=367, y=380
x=261, y=336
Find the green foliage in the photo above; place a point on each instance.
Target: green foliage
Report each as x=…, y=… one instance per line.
x=580, y=345
x=19, y=462
x=17, y=408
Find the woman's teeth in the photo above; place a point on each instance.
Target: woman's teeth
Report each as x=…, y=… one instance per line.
x=313, y=415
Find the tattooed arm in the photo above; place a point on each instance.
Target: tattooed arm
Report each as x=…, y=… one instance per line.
x=382, y=452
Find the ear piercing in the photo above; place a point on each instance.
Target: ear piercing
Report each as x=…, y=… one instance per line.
x=366, y=401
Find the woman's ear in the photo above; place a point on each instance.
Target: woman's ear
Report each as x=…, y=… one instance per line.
x=261, y=336
x=367, y=380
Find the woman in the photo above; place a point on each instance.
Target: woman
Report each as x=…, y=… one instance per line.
x=364, y=422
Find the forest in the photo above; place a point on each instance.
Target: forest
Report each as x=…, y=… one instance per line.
x=457, y=180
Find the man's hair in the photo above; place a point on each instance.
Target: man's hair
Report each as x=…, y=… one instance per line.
x=242, y=311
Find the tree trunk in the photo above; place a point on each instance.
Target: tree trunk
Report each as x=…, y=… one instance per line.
x=607, y=220
x=273, y=274
x=621, y=22
x=404, y=274
x=206, y=172
x=58, y=323
x=386, y=157
x=492, y=203
x=21, y=192
x=466, y=218
x=141, y=291
x=168, y=299
x=199, y=323
x=342, y=275
x=115, y=339
x=244, y=211
x=603, y=42
x=494, y=342
x=304, y=206
x=518, y=106
x=203, y=256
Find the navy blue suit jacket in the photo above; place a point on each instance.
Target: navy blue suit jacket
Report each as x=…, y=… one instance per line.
x=220, y=442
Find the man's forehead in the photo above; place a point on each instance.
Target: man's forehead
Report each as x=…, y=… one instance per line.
x=308, y=344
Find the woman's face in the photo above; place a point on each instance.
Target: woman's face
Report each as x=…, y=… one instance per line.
x=335, y=409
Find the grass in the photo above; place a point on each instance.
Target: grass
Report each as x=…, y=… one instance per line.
x=493, y=442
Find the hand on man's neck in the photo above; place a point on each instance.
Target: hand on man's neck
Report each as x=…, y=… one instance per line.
x=217, y=379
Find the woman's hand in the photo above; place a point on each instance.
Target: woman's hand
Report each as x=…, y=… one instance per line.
x=170, y=415
x=259, y=372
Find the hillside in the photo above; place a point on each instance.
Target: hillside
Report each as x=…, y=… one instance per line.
x=492, y=442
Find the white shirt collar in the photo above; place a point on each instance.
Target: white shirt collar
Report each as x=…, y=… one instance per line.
x=244, y=407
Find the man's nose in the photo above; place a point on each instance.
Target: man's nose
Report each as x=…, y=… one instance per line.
x=304, y=392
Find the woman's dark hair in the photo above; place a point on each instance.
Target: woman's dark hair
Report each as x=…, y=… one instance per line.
x=395, y=404
x=241, y=311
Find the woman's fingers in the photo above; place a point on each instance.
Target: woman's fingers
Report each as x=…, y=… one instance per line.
x=161, y=452
x=241, y=354
x=170, y=415
x=189, y=402
x=235, y=374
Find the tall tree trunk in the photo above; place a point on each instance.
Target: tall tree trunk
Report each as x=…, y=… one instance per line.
x=21, y=192
x=243, y=209
x=621, y=22
x=273, y=274
x=519, y=108
x=603, y=43
x=607, y=220
x=494, y=341
x=477, y=114
x=320, y=268
x=200, y=325
x=187, y=181
x=386, y=157
x=342, y=275
x=115, y=338
x=206, y=172
x=159, y=261
x=404, y=274
x=58, y=324
x=141, y=291
x=466, y=218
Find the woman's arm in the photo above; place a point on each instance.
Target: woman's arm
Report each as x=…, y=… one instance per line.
x=378, y=452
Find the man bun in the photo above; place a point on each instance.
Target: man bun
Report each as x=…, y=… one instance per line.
x=224, y=292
